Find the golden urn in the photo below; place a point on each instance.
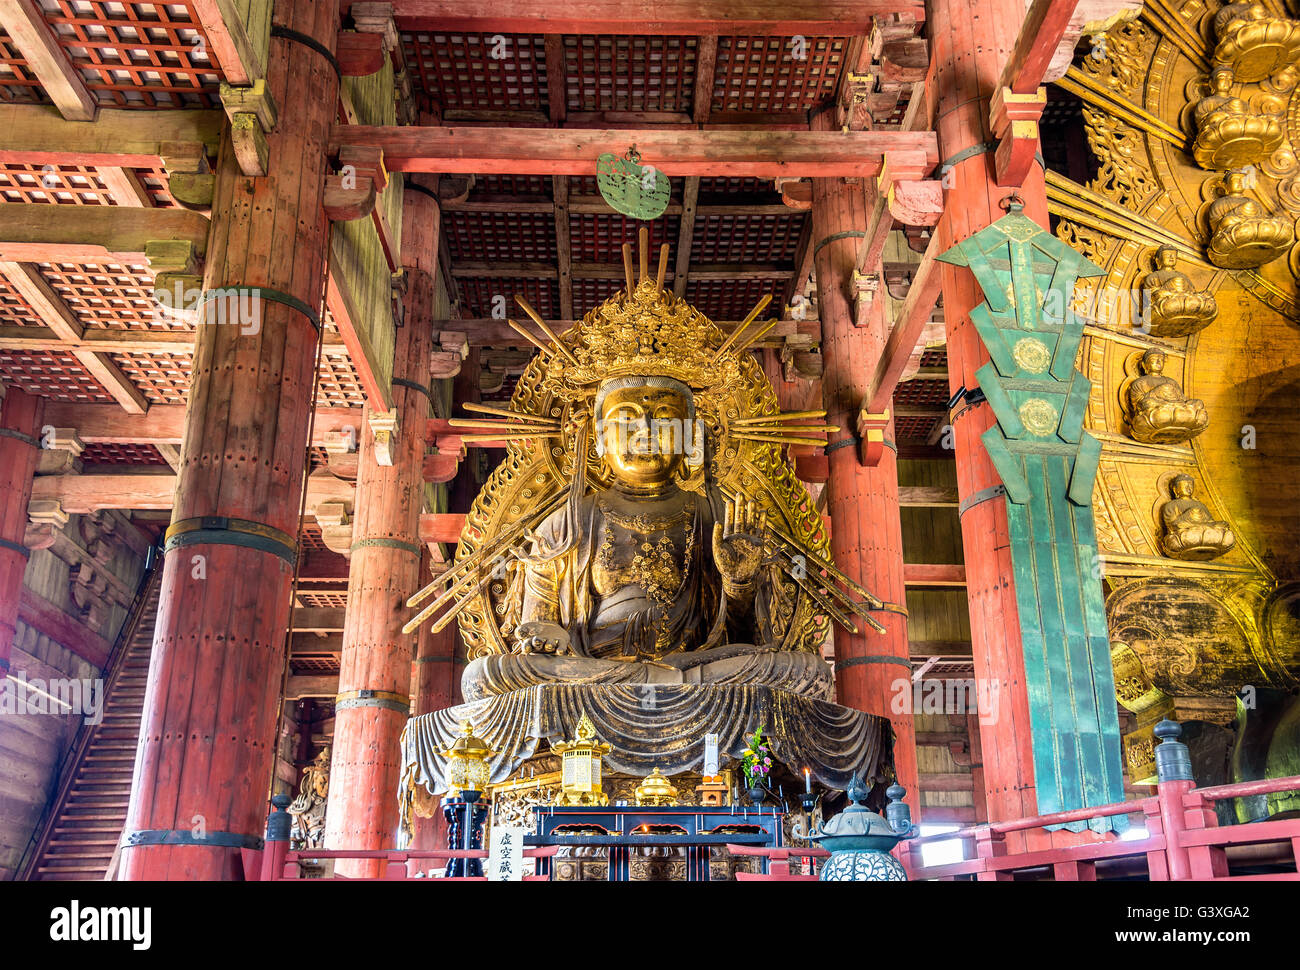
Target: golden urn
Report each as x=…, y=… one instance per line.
x=655, y=790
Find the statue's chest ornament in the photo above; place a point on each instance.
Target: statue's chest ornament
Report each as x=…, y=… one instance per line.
x=653, y=565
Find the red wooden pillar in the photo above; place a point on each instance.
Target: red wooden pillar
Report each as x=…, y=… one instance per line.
x=20, y=425
x=969, y=55
x=373, y=702
x=207, y=744
x=866, y=533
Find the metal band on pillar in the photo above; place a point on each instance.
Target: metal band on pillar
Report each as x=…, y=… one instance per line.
x=219, y=530
x=979, y=497
x=874, y=658
x=19, y=436
x=386, y=699
x=262, y=293
x=17, y=547
x=306, y=40
x=387, y=543
x=209, y=839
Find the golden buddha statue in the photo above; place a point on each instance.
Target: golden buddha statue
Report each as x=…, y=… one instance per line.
x=1229, y=133
x=1242, y=235
x=1161, y=413
x=1254, y=42
x=1176, y=307
x=1190, y=532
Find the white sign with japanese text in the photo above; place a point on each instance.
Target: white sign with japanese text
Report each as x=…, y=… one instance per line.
x=506, y=855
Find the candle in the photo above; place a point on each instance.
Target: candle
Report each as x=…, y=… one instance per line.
x=807, y=781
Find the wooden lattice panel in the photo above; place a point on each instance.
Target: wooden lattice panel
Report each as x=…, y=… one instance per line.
x=339, y=386
x=935, y=357
x=54, y=374
x=162, y=378
x=462, y=71
x=138, y=55
x=629, y=73
x=498, y=185
x=732, y=299
x=746, y=238
x=589, y=294
x=765, y=74
x=107, y=453
x=501, y=236
x=53, y=184
x=14, y=310
x=323, y=599
x=919, y=393
x=155, y=183
x=714, y=185
x=599, y=238
x=315, y=663
x=109, y=296
x=17, y=82
x=914, y=426
x=477, y=295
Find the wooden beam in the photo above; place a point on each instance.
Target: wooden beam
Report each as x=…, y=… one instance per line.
x=564, y=254
x=760, y=154
x=492, y=269
x=706, y=64
x=664, y=17
x=125, y=187
x=922, y=296
x=93, y=234
x=927, y=496
x=40, y=296
x=83, y=494
x=165, y=423
x=441, y=527
x=311, y=685
x=104, y=369
x=38, y=135
x=934, y=574
x=686, y=230
x=556, y=93
x=361, y=355
x=1044, y=25
x=123, y=341
x=228, y=35
x=35, y=40
x=65, y=630
x=317, y=619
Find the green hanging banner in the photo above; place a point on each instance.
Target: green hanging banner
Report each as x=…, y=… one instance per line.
x=1048, y=464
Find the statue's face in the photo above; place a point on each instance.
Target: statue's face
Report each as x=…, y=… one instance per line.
x=1155, y=362
x=1183, y=487
x=1168, y=258
x=645, y=433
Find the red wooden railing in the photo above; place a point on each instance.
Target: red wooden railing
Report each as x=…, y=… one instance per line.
x=778, y=868
x=277, y=862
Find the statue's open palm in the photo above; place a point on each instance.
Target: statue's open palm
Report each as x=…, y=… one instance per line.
x=738, y=541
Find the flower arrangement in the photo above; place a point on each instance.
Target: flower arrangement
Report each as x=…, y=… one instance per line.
x=756, y=761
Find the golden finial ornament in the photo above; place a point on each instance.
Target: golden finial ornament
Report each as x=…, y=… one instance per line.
x=655, y=790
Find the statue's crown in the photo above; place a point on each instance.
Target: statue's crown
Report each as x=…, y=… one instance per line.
x=647, y=332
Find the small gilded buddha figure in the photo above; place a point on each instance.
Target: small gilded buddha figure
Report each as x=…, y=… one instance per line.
x=644, y=581
x=1177, y=308
x=1254, y=41
x=1229, y=133
x=1190, y=532
x=1242, y=234
x=1161, y=413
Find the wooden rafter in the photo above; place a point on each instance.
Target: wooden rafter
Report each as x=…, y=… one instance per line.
x=86, y=493
x=686, y=234
x=730, y=152
x=165, y=423
x=706, y=64
x=748, y=17
x=32, y=34
x=120, y=341
x=484, y=332
x=228, y=25
x=492, y=269
x=916, y=311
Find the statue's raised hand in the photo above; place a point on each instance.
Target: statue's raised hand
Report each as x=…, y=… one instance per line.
x=538, y=636
x=738, y=541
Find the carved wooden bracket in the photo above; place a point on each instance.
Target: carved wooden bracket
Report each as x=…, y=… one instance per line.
x=865, y=287
x=871, y=436
x=190, y=179
x=252, y=113
x=383, y=425
x=45, y=519
x=913, y=199
x=1014, y=120
x=335, y=527
x=795, y=193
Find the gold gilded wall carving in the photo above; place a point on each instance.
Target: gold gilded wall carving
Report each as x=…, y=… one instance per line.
x=1193, y=346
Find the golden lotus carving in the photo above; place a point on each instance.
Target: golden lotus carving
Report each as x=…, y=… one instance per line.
x=1039, y=417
